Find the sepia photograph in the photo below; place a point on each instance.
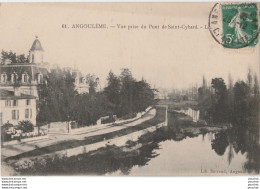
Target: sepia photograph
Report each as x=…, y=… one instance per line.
x=129, y=89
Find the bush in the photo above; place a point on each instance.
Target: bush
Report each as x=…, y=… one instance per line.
x=6, y=126
x=4, y=135
x=25, y=126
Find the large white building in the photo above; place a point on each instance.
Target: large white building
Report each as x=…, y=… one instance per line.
x=16, y=106
x=26, y=75
x=18, y=86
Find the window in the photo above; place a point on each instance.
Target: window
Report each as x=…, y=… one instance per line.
x=39, y=78
x=32, y=58
x=30, y=113
x=28, y=102
x=14, y=78
x=26, y=113
x=15, y=114
x=15, y=102
x=7, y=103
x=25, y=78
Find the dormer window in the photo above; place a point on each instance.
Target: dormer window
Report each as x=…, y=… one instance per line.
x=3, y=78
x=25, y=78
x=14, y=78
x=39, y=78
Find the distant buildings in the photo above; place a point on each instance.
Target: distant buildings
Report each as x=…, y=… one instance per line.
x=81, y=85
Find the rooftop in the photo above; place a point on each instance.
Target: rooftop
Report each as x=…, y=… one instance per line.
x=36, y=46
x=5, y=94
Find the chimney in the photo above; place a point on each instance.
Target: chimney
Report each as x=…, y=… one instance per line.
x=17, y=91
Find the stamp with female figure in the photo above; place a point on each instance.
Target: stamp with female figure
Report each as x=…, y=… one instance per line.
x=234, y=25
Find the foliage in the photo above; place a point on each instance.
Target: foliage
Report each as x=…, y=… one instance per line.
x=56, y=97
x=126, y=95
x=13, y=57
x=58, y=100
x=241, y=101
x=6, y=126
x=92, y=81
x=236, y=104
x=26, y=126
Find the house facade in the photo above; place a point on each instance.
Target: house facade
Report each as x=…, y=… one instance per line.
x=16, y=106
x=18, y=86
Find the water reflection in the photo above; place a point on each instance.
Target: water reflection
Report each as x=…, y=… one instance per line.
x=240, y=139
x=194, y=114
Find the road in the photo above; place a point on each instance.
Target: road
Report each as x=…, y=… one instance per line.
x=54, y=138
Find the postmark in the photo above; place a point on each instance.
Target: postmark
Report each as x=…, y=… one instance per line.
x=234, y=25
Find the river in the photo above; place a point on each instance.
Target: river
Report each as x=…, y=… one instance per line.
x=191, y=156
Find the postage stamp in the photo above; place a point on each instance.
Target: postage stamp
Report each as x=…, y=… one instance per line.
x=234, y=25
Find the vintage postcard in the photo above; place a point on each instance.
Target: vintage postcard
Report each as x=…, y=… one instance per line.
x=129, y=89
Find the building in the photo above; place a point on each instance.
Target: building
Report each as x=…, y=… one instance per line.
x=80, y=80
x=18, y=86
x=16, y=106
x=26, y=75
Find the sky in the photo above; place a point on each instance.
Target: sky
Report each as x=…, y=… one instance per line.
x=167, y=58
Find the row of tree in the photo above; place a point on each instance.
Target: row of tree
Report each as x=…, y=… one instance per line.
x=13, y=57
x=233, y=104
x=123, y=96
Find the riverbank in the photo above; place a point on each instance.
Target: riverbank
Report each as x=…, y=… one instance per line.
x=111, y=157
x=183, y=125
x=110, y=152
x=75, y=145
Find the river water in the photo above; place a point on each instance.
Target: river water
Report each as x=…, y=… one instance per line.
x=191, y=156
x=231, y=152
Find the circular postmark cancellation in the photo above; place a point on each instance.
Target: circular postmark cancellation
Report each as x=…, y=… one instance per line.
x=234, y=25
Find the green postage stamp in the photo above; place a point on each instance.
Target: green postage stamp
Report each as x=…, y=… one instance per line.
x=235, y=25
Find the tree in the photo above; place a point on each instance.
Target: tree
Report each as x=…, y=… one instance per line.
x=92, y=82
x=250, y=79
x=56, y=97
x=204, y=83
x=22, y=59
x=126, y=95
x=13, y=57
x=112, y=91
x=230, y=82
x=58, y=101
x=143, y=95
x=26, y=126
x=220, y=105
x=256, y=86
x=127, y=91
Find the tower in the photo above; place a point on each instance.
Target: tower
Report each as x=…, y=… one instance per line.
x=36, y=52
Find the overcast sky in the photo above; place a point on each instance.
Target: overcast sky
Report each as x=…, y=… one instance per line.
x=165, y=58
